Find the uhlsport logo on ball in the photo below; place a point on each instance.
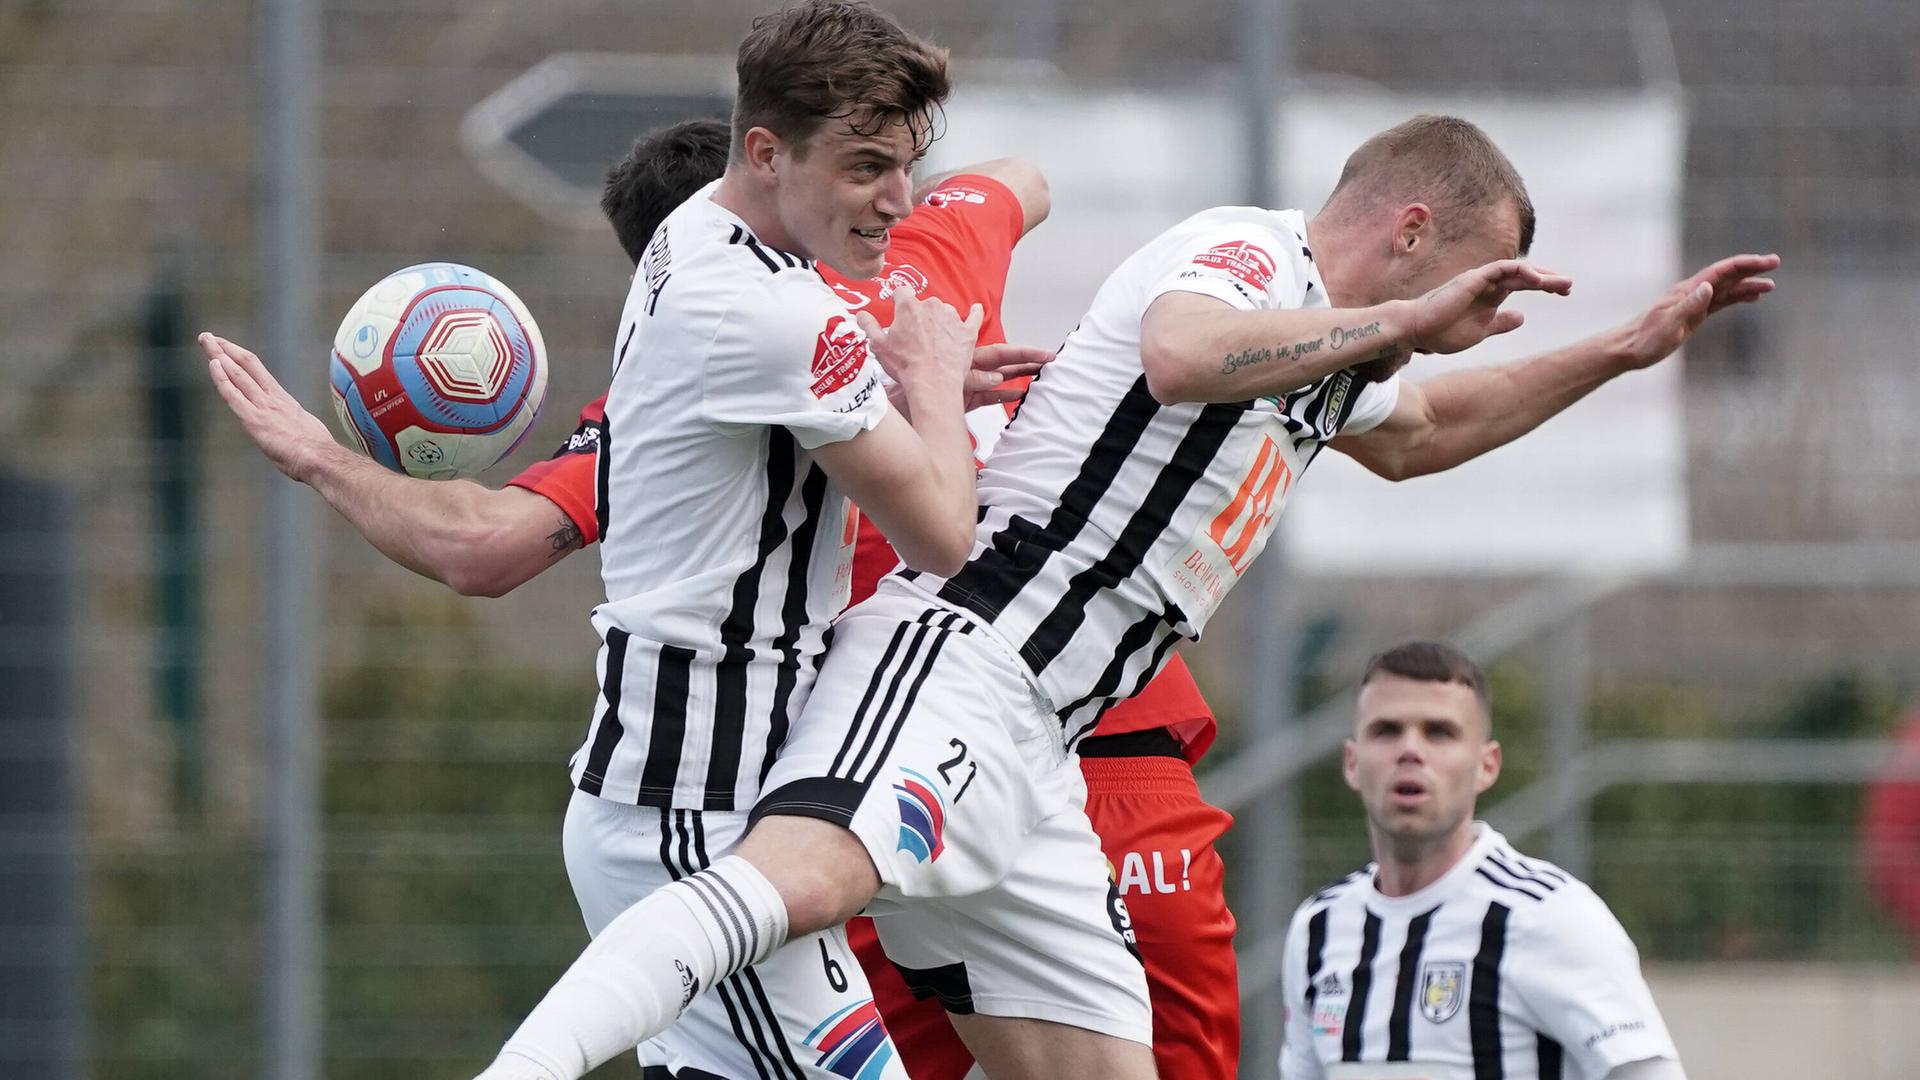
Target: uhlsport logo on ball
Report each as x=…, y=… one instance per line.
x=437, y=371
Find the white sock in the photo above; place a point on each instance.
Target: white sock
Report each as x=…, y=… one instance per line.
x=644, y=969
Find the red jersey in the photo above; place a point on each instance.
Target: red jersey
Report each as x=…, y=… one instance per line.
x=955, y=246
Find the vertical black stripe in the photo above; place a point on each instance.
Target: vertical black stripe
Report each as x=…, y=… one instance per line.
x=671, y=688
x=793, y=615
x=1352, y=1036
x=1130, y=643
x=1185, y=468
x=1551, y=1059
x=1483, y=997
x=593, y=778
x=1400, y=1024
x=872, y=726
x=736, y=630
x=1316, y=953
x=906, y=707
x=780, y=1040
x=866, y=700
x=1017, y=552
x=602, y=471
x=620, y=357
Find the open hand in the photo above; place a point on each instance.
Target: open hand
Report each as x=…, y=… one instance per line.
x=1665, y=326
x=1001, y=372
x=288, y=434
x=1466, y=310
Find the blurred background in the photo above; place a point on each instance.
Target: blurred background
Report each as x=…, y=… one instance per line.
x=273, y=807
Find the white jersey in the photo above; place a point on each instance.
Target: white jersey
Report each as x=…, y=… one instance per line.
x=726, y=552
x=1112, y=525
x=1507, y=968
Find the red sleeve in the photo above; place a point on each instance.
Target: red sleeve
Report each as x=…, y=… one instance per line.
x=961, y=239
x=1172, y=700
x=571, y=477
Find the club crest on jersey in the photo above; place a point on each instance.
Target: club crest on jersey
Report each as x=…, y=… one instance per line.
x=923, y=816
x=1241, y=259
x=853, y=1042
x=838, y=355
x=903, y=276
x=1441, y=986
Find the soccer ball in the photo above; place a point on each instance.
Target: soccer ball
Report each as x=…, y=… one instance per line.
x=438, y=371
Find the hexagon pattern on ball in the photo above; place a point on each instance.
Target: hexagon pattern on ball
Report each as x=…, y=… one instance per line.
x=437, y=371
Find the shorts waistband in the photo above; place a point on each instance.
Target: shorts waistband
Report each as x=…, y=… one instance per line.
x=1143, y=775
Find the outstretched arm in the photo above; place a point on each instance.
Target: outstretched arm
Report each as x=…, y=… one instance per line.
x=476, y=540
x=1458, y=416
x=1198, y=348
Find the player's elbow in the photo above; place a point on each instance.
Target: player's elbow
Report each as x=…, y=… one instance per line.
x=1029, y=185
x=941, y=554
x=1167, y=360
x=1165, y=371
x=474, y=578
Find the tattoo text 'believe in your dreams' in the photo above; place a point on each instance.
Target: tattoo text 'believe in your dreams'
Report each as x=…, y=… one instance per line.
x=1338, y=337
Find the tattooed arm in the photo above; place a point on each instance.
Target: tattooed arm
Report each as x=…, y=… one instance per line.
x=478, y=541
x=1197, y=348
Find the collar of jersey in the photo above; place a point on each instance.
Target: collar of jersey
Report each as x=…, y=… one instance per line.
x=727, y=219
x=1485, y=838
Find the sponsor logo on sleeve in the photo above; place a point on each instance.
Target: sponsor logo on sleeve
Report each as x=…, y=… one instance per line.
x=949, y=194
x=1612, y=1030
x=1244, y=261
x=838, y=355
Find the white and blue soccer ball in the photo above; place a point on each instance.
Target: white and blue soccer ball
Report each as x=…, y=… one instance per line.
x=438, y=371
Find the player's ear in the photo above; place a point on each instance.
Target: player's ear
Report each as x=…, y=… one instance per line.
x=1349, y=765
x=1490, y=760
x=761, y=146
x=1412, y=226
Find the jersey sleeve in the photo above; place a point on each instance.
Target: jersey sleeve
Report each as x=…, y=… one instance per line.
x=1297, y=1058
x=1371, y=409
x=1577, y=974
x=961, y=239
x=570, y=478
x=791, y=356
x=1244, y=264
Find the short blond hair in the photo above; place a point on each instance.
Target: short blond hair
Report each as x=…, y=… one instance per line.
x=1443, y=161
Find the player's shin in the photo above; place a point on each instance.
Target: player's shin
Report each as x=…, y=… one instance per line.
x=644, y=969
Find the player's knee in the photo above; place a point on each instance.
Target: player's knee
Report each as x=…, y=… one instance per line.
x=822, y=871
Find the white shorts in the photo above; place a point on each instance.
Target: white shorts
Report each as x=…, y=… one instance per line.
x=806, y=1012
x=924, y=737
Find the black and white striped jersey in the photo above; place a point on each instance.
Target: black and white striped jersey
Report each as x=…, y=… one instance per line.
x=725, y=551
x=1507, y=968
x=1111, y=525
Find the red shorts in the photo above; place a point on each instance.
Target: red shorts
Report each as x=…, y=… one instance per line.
x=1158, y=834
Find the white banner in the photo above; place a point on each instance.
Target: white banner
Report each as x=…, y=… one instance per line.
x=1602, y=486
